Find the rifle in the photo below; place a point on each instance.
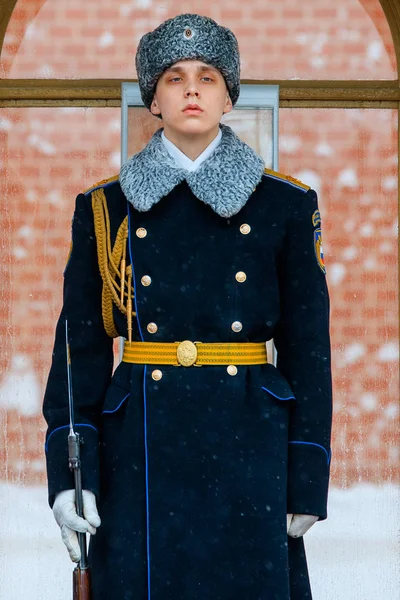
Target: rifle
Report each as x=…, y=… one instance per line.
x=81, y=573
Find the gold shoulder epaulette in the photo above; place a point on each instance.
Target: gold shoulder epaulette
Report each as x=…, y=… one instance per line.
x=101, y=183
x=291, y=180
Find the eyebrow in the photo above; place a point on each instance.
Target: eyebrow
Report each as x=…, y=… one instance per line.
x=200, y=68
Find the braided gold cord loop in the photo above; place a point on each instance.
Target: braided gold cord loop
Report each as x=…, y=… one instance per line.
x=107, y=311
x=112, y=265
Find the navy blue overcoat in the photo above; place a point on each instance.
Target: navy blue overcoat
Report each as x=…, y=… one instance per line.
x=195, y=471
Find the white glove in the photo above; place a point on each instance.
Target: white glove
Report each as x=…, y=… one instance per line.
x=64, y=512
x=298, y=525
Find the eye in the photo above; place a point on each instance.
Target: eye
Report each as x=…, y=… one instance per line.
x=173, y=78
x=209, y=78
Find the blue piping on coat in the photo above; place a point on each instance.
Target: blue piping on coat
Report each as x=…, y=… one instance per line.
x=278, y=397
x=147, y=483
x=65, y=427
x=100, y=185
x=144, y=410
x=109, y=412
x=328, y=454
x=133, y=270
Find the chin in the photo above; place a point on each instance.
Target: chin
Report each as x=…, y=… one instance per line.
x=194, y=126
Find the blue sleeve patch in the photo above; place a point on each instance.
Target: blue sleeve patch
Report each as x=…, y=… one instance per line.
x=46, y=446
x=328, y=454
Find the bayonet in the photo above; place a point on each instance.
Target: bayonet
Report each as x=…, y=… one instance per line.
x=81, y=581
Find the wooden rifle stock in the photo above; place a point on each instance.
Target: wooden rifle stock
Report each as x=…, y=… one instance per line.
x=81, y=584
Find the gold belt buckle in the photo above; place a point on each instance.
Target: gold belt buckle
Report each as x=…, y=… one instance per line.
x=186, y=353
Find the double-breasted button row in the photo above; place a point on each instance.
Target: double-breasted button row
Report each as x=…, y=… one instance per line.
x=245, y=228
x=240, y=277
x=157, y=374
x=236, y=327
x=141, y=232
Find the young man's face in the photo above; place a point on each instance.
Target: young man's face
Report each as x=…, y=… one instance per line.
x=191, y=82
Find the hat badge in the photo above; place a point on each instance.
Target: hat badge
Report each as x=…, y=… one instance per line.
x=188, y=33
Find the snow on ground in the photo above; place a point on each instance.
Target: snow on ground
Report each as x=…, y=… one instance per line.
x=353, y=555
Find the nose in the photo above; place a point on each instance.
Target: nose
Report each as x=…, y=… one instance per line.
x=191, y=88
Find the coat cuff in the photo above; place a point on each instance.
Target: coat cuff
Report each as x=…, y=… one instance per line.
x=59, y=475
x=308, y=479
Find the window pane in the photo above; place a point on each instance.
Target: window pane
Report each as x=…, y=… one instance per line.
x=253, y=126
x=345, y=39
x=350, y=158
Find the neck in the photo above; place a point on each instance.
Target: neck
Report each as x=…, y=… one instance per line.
x=192, y=145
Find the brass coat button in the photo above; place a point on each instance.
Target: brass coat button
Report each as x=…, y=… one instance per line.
x=237, y=326
x=146, y=280
x=232, y=370
x=141, y=232
x=156, y=374
x=245, y=229
x=240, y=276
x=152, y=327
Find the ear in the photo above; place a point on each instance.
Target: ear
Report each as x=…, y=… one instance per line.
x=154, y=108
x=228, y=104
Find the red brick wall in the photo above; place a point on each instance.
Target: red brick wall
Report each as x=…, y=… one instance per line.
x=350, y=157
x=46, y=157
x=345, y=39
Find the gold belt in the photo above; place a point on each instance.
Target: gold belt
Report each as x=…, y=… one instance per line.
x=195, y=354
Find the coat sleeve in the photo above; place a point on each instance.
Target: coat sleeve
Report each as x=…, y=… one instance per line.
x=302, y=341
x=91, y=353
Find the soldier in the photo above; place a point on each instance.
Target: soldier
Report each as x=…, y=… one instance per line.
x=205, y=462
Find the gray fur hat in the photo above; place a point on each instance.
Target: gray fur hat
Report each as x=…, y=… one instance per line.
x=187, y=36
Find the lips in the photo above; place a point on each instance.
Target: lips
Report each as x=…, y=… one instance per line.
x=193, y=108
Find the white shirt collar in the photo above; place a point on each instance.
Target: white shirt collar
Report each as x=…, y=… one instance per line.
x=184, y=161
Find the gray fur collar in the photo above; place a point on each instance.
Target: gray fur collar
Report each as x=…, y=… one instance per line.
x=225, y=180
